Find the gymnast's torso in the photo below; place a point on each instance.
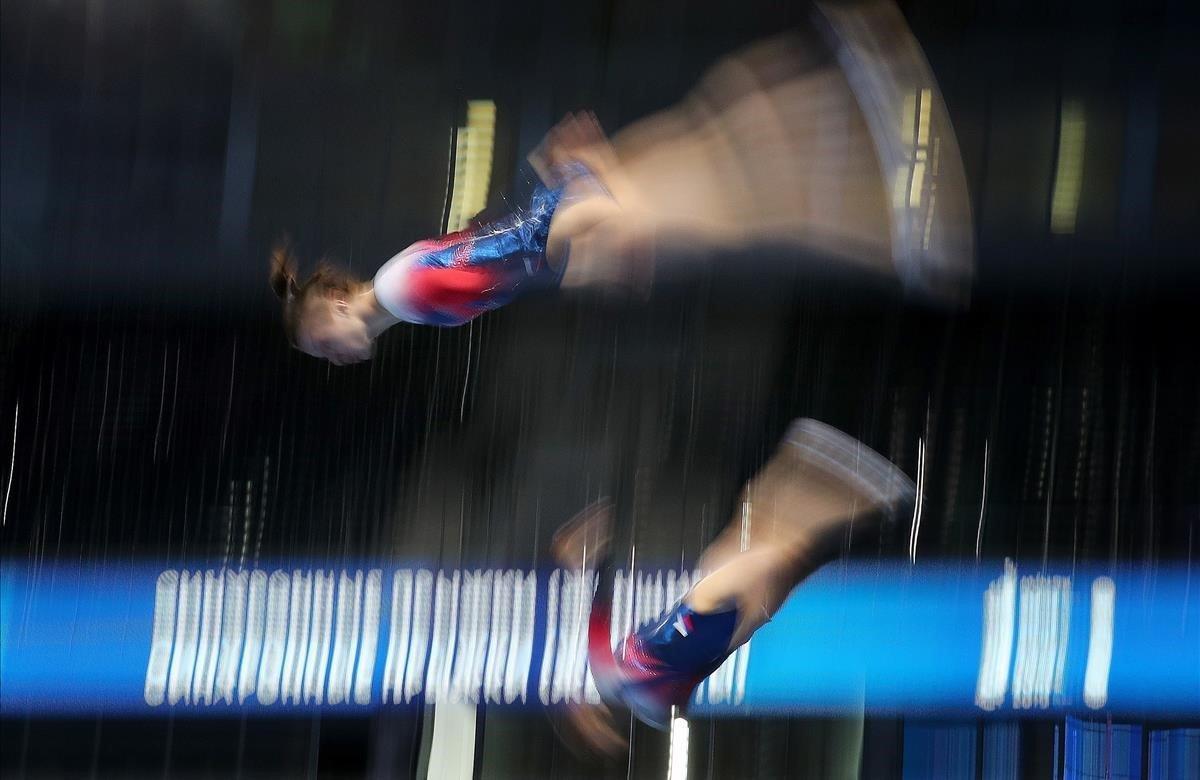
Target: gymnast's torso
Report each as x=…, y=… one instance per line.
x=453, y=279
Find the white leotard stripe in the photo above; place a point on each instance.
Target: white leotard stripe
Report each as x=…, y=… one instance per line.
x=391, y=285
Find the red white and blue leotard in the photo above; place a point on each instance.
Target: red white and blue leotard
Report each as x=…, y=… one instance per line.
x=451, y=280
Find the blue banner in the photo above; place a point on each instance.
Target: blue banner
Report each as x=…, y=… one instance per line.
x=933, y=639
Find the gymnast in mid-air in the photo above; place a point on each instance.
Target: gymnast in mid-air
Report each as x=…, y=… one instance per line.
x=828, y=148
x=831, y=145
x=450, y=280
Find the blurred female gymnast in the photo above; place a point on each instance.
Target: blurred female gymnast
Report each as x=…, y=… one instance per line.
x=451, y=280
x=832, y=144
x=829, y=149
x=795, y=515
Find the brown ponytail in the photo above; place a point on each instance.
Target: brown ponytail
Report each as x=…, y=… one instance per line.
x=327, y=279
x=283, y=270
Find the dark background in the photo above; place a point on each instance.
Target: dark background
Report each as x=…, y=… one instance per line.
x=152, y=151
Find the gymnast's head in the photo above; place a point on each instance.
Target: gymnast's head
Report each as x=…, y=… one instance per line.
x=322, y=315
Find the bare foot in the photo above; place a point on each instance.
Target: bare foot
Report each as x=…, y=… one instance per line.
x=583, y=539
x=589, y=730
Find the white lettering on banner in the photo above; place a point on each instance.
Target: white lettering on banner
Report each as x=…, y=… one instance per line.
x=364, y=673
x=544, y=687
x=497, y=644
x=520, y=653
x=445, y=636
x=345, y=637
x=1043, y=631
x=233, y=629
x=483, y=595
x=256, y=610
x=457, y=688
x=1041, y=622
x=166, y=593
x=1100, y=643
x=319, y=637
x=995, y=654
x=584, y=672
x=658, y=599
x=742, y=659
x=619, y=623
x=274, y=637
x=398, y=637
x=183, y=657
x=299, y=615
x=520, y=637
x=472, y=623
x=310, y=637
x=210, y=638
x=442, y=684
x=644, y=609
x=568, y=600
x=585, y=587
x=414, y=676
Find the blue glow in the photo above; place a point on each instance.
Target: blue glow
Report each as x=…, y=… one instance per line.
x=880, y=638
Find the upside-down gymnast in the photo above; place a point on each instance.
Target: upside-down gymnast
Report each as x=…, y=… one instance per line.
x=834, y=144
x=453, y=279
x=829, y=146
x=792, y=517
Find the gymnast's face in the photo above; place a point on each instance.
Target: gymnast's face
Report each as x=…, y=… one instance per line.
x=329, y=328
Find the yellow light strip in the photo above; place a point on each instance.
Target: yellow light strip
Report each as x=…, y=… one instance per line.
x=1068, y=174
x=923, y=127
x=917, y=189
x=473, y=163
